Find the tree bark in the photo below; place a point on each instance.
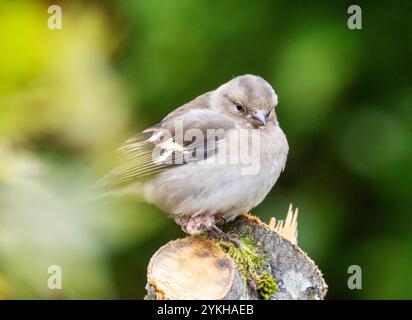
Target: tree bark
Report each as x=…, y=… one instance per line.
x=198, y=268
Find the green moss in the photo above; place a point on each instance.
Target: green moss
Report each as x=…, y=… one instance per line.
x=250, y=264
x=246, y=257
x=265, y=285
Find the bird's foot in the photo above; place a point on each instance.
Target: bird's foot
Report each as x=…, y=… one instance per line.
x=198, y=224
x=215, y=232
x=195, y=225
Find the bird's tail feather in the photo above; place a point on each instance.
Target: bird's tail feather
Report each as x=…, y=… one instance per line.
x=100, y=192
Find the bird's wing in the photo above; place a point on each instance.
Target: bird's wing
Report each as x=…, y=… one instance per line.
x=186, y=135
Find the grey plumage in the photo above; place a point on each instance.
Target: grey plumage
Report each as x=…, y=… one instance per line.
x=170, y=166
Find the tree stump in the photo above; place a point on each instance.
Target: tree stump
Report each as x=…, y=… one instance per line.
x=200, y=268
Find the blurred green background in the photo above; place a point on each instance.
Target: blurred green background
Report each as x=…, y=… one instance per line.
x=70, y=97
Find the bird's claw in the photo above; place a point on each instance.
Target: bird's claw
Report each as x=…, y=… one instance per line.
x=215, y=232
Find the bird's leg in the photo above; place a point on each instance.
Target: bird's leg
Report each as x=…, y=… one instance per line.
x=215, y=232
x=196, y=225
x=219, y=219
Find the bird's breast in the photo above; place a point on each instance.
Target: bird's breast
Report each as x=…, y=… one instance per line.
x=233, y=181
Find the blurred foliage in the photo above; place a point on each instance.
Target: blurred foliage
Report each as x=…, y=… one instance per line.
x=69, y=97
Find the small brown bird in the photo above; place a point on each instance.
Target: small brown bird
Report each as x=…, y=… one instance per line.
x=208, y=161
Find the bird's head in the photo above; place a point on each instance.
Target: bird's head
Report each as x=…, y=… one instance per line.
x=249, y=99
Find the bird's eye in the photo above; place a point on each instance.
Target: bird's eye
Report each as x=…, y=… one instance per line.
x=239, y=107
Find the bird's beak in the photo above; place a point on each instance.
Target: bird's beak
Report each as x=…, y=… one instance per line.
x=260, y=117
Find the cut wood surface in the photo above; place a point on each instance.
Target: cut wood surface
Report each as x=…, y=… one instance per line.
x=199, y=268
